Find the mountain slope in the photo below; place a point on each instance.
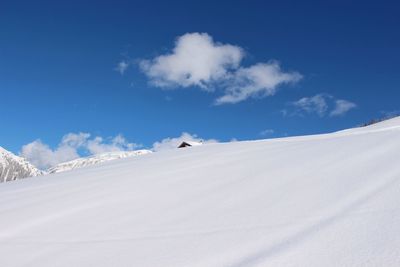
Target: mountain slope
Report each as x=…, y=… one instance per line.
x=322, y=200
x=13, y=167
x=95, y=159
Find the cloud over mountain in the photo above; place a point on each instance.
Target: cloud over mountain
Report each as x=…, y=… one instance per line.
x=43, y=156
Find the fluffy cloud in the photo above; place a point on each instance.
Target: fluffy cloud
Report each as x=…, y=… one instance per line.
x=320, y=104
x=260, y=80
x=342, y=107
x=171, y=143
x=42, y=156
x=197, y=60
x=118, y=143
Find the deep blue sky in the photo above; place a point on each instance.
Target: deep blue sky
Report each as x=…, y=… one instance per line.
x=57, y=61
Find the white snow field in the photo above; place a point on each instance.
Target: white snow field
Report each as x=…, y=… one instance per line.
x=322, y=200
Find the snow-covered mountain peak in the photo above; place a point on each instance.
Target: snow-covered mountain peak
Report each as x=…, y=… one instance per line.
x=13, y=167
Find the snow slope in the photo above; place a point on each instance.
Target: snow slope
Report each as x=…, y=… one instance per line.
x=96, y=159
x=322, y=200
x=13, y=167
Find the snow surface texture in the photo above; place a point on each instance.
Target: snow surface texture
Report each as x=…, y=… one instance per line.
x=88, y=161
x=13, y=167
x=322, y=200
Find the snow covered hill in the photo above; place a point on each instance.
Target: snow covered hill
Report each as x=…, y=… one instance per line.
x=13, y=167
x=95, y=159
x=321, y=200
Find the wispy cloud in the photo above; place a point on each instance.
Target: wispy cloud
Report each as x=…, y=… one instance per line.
x=267, y=132
x=259, y=80
x=197, y=60
x=122, y=66
x=174, y=142
x=315, y=104
x=342, y=107
x=321, y=105
x=42, y=156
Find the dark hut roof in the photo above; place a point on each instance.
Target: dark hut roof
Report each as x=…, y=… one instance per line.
x=189, y=143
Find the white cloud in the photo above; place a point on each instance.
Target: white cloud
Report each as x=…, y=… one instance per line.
x=321, y=104
x=75, y=140
x=42, y=156
x=342, y=107
x=122, y=66
x=259, y=80
x=197, y=60
x=315, y=104
x=171, y=143
x=118, y=143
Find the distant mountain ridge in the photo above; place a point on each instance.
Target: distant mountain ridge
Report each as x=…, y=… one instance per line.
x=13, y=167
x=95, y=159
